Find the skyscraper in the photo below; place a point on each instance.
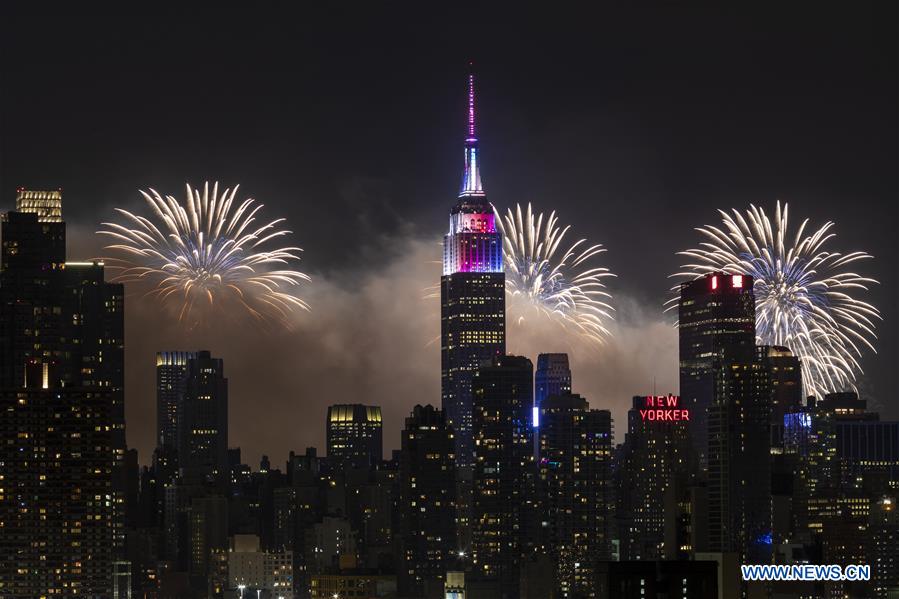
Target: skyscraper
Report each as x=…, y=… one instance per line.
x=785, y=376
x=171, y=383
x=575, y=489
x=472, y=293
x=57, y=312
x=62, y=389
x=203, y=446
x=716, y=321
x=653, y=471
x=427, y=503
x=354, y=436
x=57, y=510
x=503, y=398
x=553, y=377
x=739, y=461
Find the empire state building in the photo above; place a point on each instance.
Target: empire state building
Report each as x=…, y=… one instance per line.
x=472, y=293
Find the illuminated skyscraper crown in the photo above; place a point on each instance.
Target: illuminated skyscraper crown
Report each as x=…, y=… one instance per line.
x=473, y=243
x=46, y=204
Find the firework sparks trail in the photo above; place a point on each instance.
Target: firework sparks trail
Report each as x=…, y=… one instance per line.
x=806, y=299
x=556, y=280
x=207, y=250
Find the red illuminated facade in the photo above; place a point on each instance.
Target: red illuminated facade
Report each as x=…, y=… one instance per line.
x=664, y=408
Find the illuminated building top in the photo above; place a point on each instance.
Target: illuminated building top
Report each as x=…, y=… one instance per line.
x=472, y=243
x=354, y=413
x=354, y=435
x=174, y=358
x=46, y=204
x=472, y=297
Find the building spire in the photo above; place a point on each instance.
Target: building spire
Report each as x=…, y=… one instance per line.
x=471, y=178
x=471, y=121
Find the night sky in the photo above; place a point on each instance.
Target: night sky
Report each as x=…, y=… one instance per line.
x=635, y=125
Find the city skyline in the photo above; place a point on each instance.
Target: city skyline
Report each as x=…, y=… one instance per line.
x=590, y=124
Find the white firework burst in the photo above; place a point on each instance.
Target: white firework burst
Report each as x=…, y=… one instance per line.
x=208, y=251
x=556, y=280
x=806, y=298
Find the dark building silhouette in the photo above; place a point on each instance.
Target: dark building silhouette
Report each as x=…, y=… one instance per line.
x=552, y=377
x=208, y=529
x=575, y=489
x=354, y=436
x=203, y=443
x=426, y=533
x=62, y=507
x=785, y=378
x=472, y=294
x=739, y=461
x=34, y=235
x=503, y=397
x=658, y=580
x=882, y=551
x=171, y=384
x=716, y=321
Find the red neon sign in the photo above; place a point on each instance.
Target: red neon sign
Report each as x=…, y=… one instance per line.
x=665, y=408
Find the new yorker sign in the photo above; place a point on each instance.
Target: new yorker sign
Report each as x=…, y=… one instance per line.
x=665, y=408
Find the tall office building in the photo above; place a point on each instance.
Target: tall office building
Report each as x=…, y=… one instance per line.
x=62, y=384
x=716, y=321
x=208, y=541
x=203, y=446
x=56, y=508
x=426, y=536
x=58, y=312
x=171, y=384
x=785, y=377
x=503, y=436
x=739, y=461
x=654, y=470
x=882, y=551
x=575, y=489
x=472, y=293
x=354, y=436
x=553, y=377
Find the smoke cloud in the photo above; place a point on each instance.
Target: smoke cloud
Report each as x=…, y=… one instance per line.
x=372, y=337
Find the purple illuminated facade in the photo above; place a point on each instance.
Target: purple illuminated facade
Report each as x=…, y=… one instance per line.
x=472, y=293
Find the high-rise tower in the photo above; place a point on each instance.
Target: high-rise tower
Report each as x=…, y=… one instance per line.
x=427, y=503
x=171, y=382
x=503, y=394
x=553, y=377
x=716, y=315
x=61, y=410
x=472, y=293
x=354, y=436
x=574, y=488
x=203, y=431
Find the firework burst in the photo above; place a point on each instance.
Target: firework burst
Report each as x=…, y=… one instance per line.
x=207, y=251
x=555, y=280
x=806, y=298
